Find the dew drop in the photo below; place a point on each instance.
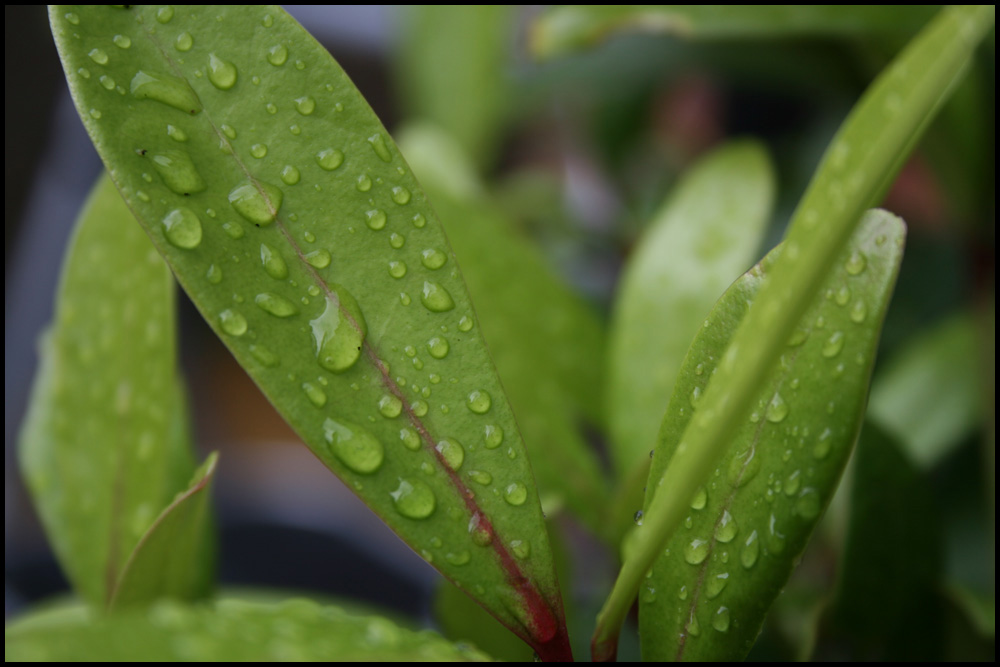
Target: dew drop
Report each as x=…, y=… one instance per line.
x=792, y=483
x=232, y=322
x=465, y=324
x=73, y=18
x=515, y=494
x=743, y=467
x=799, y=336
x=305, y=105
x=355, y=447
x=807, y=506
x=692, y=626
x=377, y=142
x=164, y=14
x=715, y=585
x=695, y=396
x=481, y=477
x=833, y=345
x=95, y=114
x=319, y=259
x=364, y=183
x=493, y=436
x=859, y=311
x=822, y=448
x=521, y=548
x=84, y=72
x=169, y=90
x=436, y=298
x=300, y=65
x=726, y=529
x=122, y=41
x=184, y=42
x=258, y=150
x=290, y=175
x=419, y=221
x=315, y=394
x=258, y=202
x=339, y=332
x=182, y=228
x=700, y=498
x=330, y=158
x=460, y=558
x=109, y=84
x=214, y=275
x=264, y=355
x=221, y=73
x=267, y=21
x=270, y=108
x=720, y=620
x=452, y=452
x=397, y=240
x=397, y=269
x=433, y=258
x=178, y=172
x=843, y=295
x=275, y=305
x=775, y=539
x=751, y=549
x=856, y=263
x=375, y=219
x=777, y=409
x=233, y=229
x=404, y=298
x=390, y=406
x=479, y=530
x=401, y=195
x=413, y=499
x=479, y=401
x=410, y=439
x=98, y=56
x=696, y=551
x=176, y=133
x=277, y=55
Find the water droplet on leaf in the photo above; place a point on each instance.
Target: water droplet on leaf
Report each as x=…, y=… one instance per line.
x=257, y=202
x=221, y=73
x=339, y=332
x=232, y=322
x=182, y=228
x=353, y=446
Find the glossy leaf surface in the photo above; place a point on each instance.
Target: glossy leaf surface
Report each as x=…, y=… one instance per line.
x=747, y=525
x=545, y=341
x=569, y=28
x=291, y=220
x=858, y=167
x=104, y=447
x=229, y=630
x=702, y=239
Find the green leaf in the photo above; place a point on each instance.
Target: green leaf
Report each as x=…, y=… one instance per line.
x=161, y=566
x=104, y=447
x=462, y=620
x=928, y=396
x=706, y=234
x=859, y=165
x=545, y=341
x=286, y=213
x=451, y=70
x=571, y=28
x=709, y=591
x=230, y=630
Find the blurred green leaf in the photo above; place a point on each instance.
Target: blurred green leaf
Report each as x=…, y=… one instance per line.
x=451, y=70
x=928, y=395
x=104, y=447
x=708, y=593
x=857, y=168
x=981, y=610
x=289, y=217
x=229, y=630
x=462, y=620
x=705, y=235
x=570, y=28
x=547, y=344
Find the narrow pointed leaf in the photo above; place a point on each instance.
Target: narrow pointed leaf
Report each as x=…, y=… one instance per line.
x=229, y=630
x=860, y=164
x=745, y=528
x=104, y=447
x=545, y=341
x=286, y=211
x=571, y=28
x=160, y=566
x=704, y=237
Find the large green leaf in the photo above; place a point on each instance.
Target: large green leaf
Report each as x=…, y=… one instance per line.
x=289, y=217
x=707, y=594
x=928, y=397
x=570, y=28
x=858, y=167
x=707, y=234
x=105, y=446
x=545, y=341
x=229, y=630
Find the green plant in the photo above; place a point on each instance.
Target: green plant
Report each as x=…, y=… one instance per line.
x=292, y=221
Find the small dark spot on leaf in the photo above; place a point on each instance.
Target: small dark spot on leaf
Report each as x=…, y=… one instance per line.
x=143, y=152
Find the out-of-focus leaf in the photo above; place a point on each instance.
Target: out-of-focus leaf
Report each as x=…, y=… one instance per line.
x=547, y=344
x=228, y=630
x=702, y=239
x=928, y=395
x=104, y=447
x=462, y=620
x=451, y=70
x=160, y=566
x=857, y=169
x=571, y=28
x=887, y=605
x=289, y=217
x=747, y=526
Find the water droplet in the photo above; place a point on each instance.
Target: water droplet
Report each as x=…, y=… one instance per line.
x=859, y=311
x=833, y=345
x=122, y=41
x=460, y=558
x=290, y=175
x=73, y=18
x=258, y=150
x=720, y=621
x=397, y=269
x=305, y=105
x=413, y=499
x=329, y=159
x=438, y=347
x=377, y=142
x=751, y=549
x=178, y=172
x=300, y=65
x=214, y=274
x=375, y=219
x=233, y=229
x=315, y=394
x=364, y=183
x=823, y=445
x=692, y=626
x=465, y=324
x=166, y=89
x=232, y=322
x=221, y=73
x=182, y=228
x=808, y=504
x=792, y=483
x=390, y=406
x=277, y=55
x=98, y=56
x=401, y=195
x=164, y=14
x=479, y=401
x=404, y=298
x=109, y=83
x=696, y=551
x=436, y=298
x=493, y=436
x=726, y=529
x=397, y=240
x=843, y=295
x=95, y=114
x=695, y=396
x=521, y=548
x=276, y=305
x=700, y=498
x=856, y=263
x=777, y=409
x=184, y=42
x=410, y=439
x=339, y=332
x=264, y=355
x=174, y=132
x=319, y=258
x=515, y=493
x=258, y=202
x=799, y=336
x=84, y=72
x=480, y=531
x=775, y=539
x=452, y=452
x=355, y=447
x=715, y=584
x=419, y=220
x=433, y=258
x=743, y=467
